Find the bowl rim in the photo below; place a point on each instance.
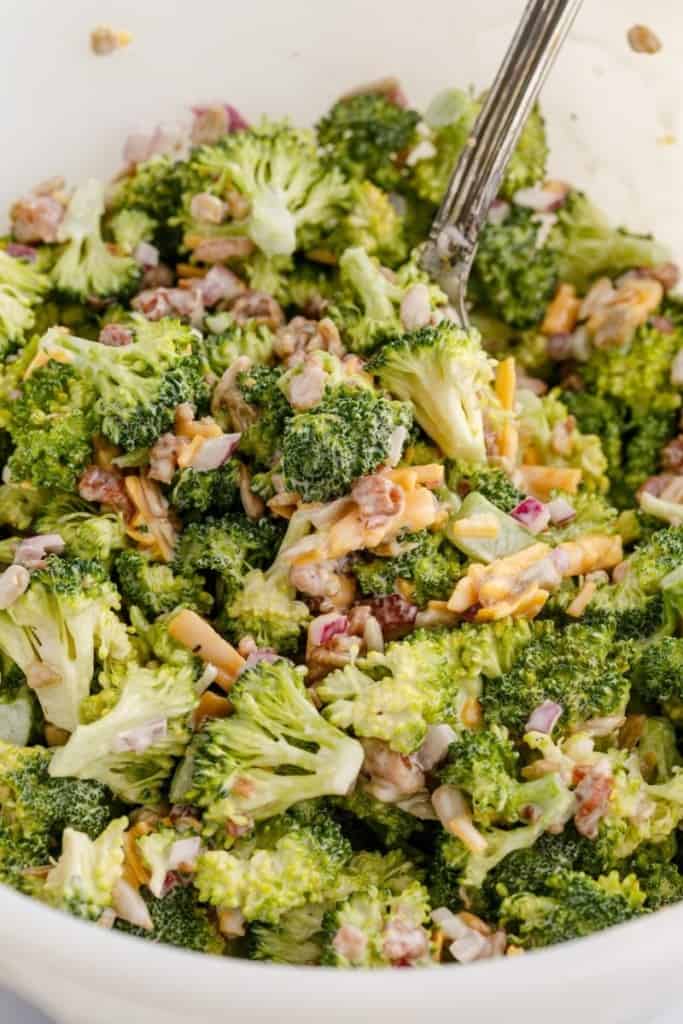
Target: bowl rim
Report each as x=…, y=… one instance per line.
x=156, y=973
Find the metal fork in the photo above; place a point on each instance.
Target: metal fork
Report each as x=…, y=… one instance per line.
x=476, y=178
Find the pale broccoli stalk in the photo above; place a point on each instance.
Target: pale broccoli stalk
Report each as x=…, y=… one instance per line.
x=131, y=748
x=266, y=607
x=293, y=196
x=54, y=630
x=267, y=877
x=83, y=880
x=21, y=288
x=87, y=267
x=274, y=751
x=446, y=374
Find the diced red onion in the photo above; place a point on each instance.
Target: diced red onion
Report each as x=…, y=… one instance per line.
x=541, y=199
x=130, y=906
x=146, y=254
x=560, y=511
x=215, y=452
x=322, y=629
x=396, y=442
x=544, y=717
x=22, y=252
x=449, y=923
x=13, y=583
x=262, y=654
x=236, y=122
x=498, y=211
x=184, y=852
x=677, y=370
x=434, y=746
x=140, y=738
x=532, y=514
x=32, y=552
x=394, y=614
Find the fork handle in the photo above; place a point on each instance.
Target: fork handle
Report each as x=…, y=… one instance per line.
x=477, y=176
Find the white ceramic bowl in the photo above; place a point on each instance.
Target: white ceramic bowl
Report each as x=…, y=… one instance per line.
x=615, y=125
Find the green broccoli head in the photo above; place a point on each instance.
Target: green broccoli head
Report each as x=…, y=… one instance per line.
x=427, y=561
x=390, y=824
x=366, y=929
x=87, y=267
x=295, y=939
x=178, y=919
x=589, y=246
x=490, y=481
x=153, y=188
x=366, y=135
x=54, y=630
x=132, y=747
x=286, y=864
x=273, y=752
x=225, y=548
x=86, y=534
x=484, y=765
x=51, y=423
x=293, y=197
x=83, y=880
x=658, y=672
x=22, y=287
x=198, y=492
x=581, y=668
x=138, y=386
x=348, y=435
x=229, y=340
x=444, y=372
x=569, y=906
x=373, y=223
x=263, y=414
x=19, y=504
x=131, y=227
x=155, y=588
x=512, y=275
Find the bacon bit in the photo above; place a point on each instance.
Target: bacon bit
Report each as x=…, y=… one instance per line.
x=221, y=250
x=163, y=457
x=259, y=308
x=190, y=630
x=211, y=705
x=105, y=40
x=208, y=208
x=379, y=500
x=106, y=487
x=483, y=525
x=54, y=736
x=395, y=615
x=150, y=526
x=593, y=792
x=115, y=335
x=36, y=219
x=563, y=312
x=582, y=599
x=301, y=336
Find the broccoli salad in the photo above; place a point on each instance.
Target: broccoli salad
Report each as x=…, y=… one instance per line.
x=332, y=632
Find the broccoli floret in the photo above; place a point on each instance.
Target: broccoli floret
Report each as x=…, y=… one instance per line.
x=442, y=370
x=274, y=751
x=87, y=267
x=580, y=667
x=226, y=548
x=285, y=865
x=21, y=288
x=54, y=629
x=373, y=223
x=229, y=340
x=154, y=188
x=601, y=415
x=196, y=492
x=293, y=197
x=490, y=481
x=348, y=435
x=130, y=227
x=263, y=415
x=512, y=275
x=373, y=916
x=139, y=386
x=83, y=880
x=589, y=246
x=35, y=809
x=365, y=135
x=422, y=680
x=657, y=750
x=86, y=534
x=296, y=938
x=660, y=880
x=392, y=825
x=635, y=606
x=527, y=165
x=178, y=920
x=51, y=424
x=266, y=607
x=427, y=561
x=19, y=504
x=155, y=588
x=367, y=305
x=571, y=905
x=658, y=672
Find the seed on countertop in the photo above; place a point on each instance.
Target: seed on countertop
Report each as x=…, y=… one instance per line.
x=642, y=39
x=105, y=40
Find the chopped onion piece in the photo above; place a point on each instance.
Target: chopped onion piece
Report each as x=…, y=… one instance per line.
x=184, y=852
x=139, y=739
x=560, y=511
x=146, y=254
x=544, y=717
x=130, y=906
x=214, y=452
x=396, y=442
x=532, y=514
x=434, y=746
x=449, y=803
